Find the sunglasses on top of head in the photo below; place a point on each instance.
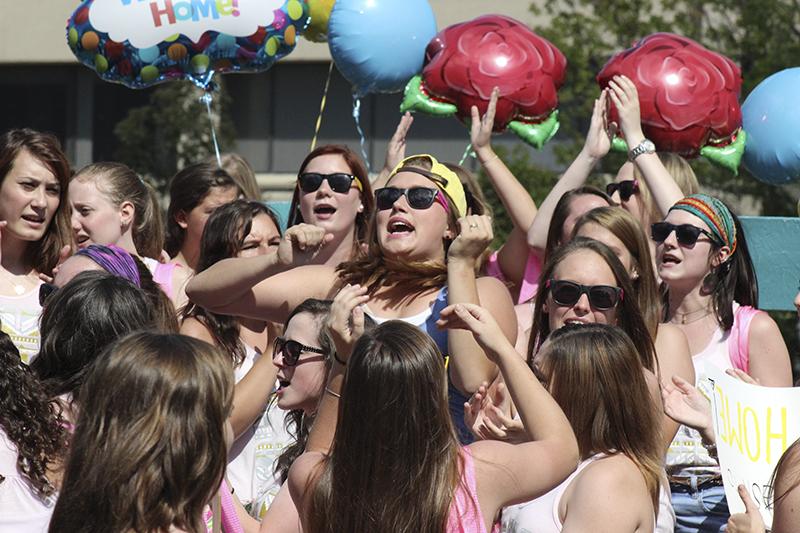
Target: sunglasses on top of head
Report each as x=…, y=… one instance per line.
x=45, y=291
x=338, y=181
x=686, y=234
x=626, y=188
x=601, y=297
x=291, y=350
x=417, y=197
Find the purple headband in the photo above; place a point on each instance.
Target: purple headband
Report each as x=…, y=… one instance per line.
x=114, y=260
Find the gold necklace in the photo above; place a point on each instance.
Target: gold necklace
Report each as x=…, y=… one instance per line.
x=19, y=289
x=683, y=316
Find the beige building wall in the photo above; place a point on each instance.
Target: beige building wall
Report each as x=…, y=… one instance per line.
x=33, y=31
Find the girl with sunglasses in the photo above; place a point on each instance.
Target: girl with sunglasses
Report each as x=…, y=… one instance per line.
x=34, y=221
x=703, y=260
x=422, y=255
x=333, y=192
x=241, y=228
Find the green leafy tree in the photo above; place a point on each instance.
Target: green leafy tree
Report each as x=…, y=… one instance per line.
x=762, y=36
x=172, y=130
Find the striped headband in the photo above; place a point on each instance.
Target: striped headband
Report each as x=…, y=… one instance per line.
x=714, y=213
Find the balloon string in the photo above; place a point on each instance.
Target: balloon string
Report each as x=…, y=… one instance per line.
x=207, y=98
x=357, y=118
x=322, y=108
x=467, y=154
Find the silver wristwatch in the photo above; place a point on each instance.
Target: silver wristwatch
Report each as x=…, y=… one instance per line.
x=644, y=147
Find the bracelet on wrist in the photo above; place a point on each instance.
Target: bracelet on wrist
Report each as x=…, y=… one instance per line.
x=484, y=163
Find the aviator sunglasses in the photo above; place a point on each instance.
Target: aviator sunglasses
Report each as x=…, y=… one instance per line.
x=601, y=297
x=626, y=188
x=291, y=350
x=686, y=234
x=417, y=197
x=338, y=181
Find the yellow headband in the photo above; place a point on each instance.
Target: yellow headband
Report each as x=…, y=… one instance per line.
x=444, y=178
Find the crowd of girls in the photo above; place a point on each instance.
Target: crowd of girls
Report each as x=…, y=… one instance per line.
x=374, y=366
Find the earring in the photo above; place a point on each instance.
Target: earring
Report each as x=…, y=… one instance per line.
x=360, y=208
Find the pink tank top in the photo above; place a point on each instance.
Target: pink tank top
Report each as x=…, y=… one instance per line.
x=162, y=274
x=530, y=279
x=465, y=511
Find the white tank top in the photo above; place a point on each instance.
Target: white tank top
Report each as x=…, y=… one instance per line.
x=241, y=457
x=20, y=318
x=541, y=515
x=687, y=455
x=21, y=509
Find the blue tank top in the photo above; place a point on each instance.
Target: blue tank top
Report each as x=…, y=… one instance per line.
x=426, y=321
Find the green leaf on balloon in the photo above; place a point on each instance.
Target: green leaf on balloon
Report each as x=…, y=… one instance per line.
x=415, y=100
x=618, y=144
x=728, y=156
x=536, y=134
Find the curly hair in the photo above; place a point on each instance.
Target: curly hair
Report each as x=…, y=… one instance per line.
x=31, y=422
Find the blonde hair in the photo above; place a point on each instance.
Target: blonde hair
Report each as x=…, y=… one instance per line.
x=627, y=229
x=121, y=184
x=242, y=173
x=681, y=172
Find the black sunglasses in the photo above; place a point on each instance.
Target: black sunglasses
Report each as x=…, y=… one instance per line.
x=626, y=188
x=338, y=182
x=418, y=197
x=601, y=297
x=686, y=234
x=291, y=350
x=45, y=291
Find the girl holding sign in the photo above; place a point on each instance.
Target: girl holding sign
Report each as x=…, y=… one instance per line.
x=702, y=257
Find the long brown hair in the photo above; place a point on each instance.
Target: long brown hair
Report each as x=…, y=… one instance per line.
x=359, y=170
x=629, y=317
x=596, y=376
x=395, y=461
x=121, y=184
x=44, y=253
x=149, y=451
x=627, y=229
x=376, y=270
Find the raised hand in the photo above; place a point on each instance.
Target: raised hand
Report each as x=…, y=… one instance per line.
x=396, y=150
x=480, y=134
x=301, y=243
x=600, y=134
x=625, y=97
x=346, y=319
x=475, y=234
x=480, y=323
x=486, y=415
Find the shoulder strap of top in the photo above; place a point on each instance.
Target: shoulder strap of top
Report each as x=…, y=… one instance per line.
x=739, y=338
x=230, y=520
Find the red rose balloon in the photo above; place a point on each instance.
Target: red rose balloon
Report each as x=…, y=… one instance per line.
x=464, y=63
x=688, y=95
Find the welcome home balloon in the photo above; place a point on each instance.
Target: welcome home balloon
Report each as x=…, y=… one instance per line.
x=140, y=43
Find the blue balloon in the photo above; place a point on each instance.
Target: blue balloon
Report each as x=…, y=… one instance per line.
x=770, y=116
x=378, y=45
